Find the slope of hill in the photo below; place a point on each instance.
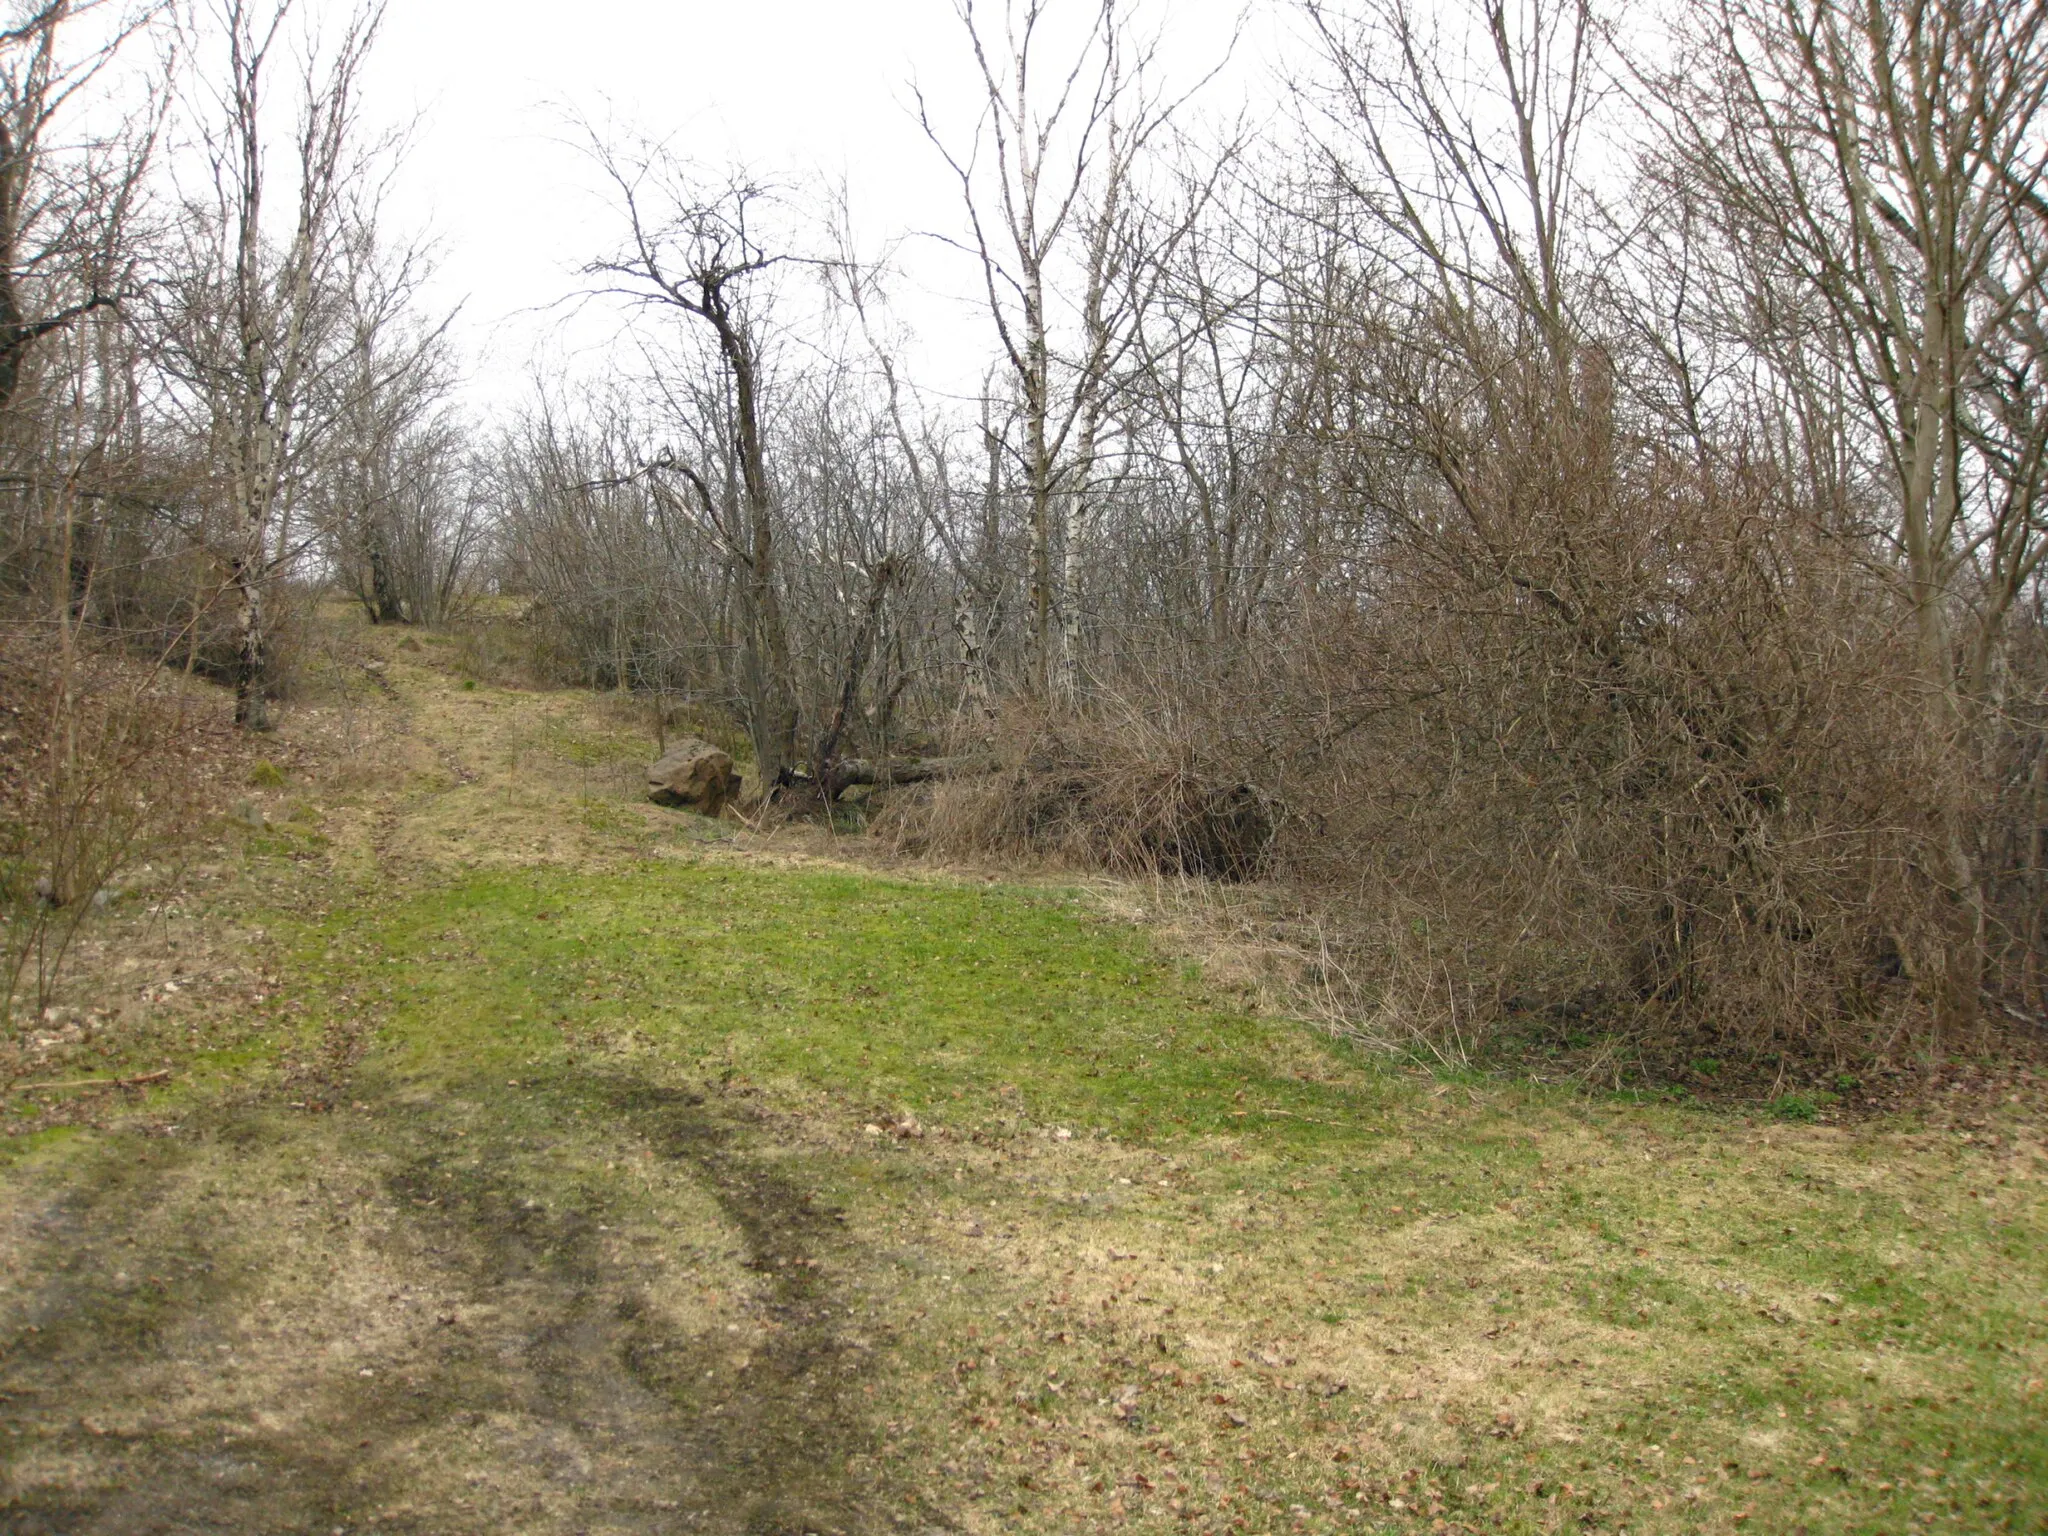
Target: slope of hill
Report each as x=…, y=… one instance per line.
x=532, y=1159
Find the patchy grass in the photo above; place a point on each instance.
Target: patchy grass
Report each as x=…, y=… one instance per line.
x=543, y=1166
x=1152, y=1255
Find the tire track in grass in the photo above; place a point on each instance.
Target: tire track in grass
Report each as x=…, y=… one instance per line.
x=551, y=1393
x=757, y=1448
x=777, y=1443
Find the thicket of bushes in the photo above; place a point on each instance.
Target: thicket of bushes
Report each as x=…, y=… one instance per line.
x=1654, y=763
x=1607, y=588
x=1569, y=506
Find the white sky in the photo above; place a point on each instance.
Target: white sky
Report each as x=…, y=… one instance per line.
x=798, y=90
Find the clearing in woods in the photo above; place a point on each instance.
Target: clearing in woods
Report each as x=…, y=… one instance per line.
x=539, y=1161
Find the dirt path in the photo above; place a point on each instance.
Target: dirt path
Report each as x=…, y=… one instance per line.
x=438, y=1350
x=428, y=1315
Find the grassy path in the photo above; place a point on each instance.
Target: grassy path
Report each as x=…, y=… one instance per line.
x=563, y=1166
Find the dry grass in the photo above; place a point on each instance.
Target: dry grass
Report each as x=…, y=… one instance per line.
x=952, y=1205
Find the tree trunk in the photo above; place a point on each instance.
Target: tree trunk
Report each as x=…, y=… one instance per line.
x=825, y=761
x=252, y=708
x=386, y=606
x=1037, y=403
x=977, y=625
x=254, y=485
x=769, y=694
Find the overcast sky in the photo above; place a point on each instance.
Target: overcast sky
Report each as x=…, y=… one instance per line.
x=800, y=90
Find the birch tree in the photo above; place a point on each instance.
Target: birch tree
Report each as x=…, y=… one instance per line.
x=260, y=296
x=1048, y=179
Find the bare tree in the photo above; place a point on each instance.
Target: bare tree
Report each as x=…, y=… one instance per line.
x=395, y=517
x=617, y=592
x=61, y=253
x=700, y=256
x=257, y=308
x=1055, y=230
x=1218, y=372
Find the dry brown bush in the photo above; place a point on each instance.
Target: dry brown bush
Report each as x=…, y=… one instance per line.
x=1610, y=748
x=1136, y=792
x=1661, y=776
x=104, y=764
x=2016, y=846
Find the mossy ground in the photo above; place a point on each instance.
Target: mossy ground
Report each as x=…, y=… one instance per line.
x=549, y=1163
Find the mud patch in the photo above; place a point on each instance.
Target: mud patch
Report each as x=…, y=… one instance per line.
x=617, y=1315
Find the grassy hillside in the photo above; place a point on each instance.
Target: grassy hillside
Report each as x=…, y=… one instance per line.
x=537, y=1161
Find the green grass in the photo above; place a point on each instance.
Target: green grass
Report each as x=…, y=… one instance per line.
x=981, y=1005
x=1527, y=1291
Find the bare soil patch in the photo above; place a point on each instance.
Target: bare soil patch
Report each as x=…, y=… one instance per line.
x=383, y=1319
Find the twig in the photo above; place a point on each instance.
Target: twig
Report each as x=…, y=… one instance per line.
x=1238, y=1114
x=98, y=1082
x=2017, y=1015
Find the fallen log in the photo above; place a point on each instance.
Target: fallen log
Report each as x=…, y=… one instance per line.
x=849, y=771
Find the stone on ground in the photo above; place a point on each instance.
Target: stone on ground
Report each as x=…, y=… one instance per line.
x=694, y=775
